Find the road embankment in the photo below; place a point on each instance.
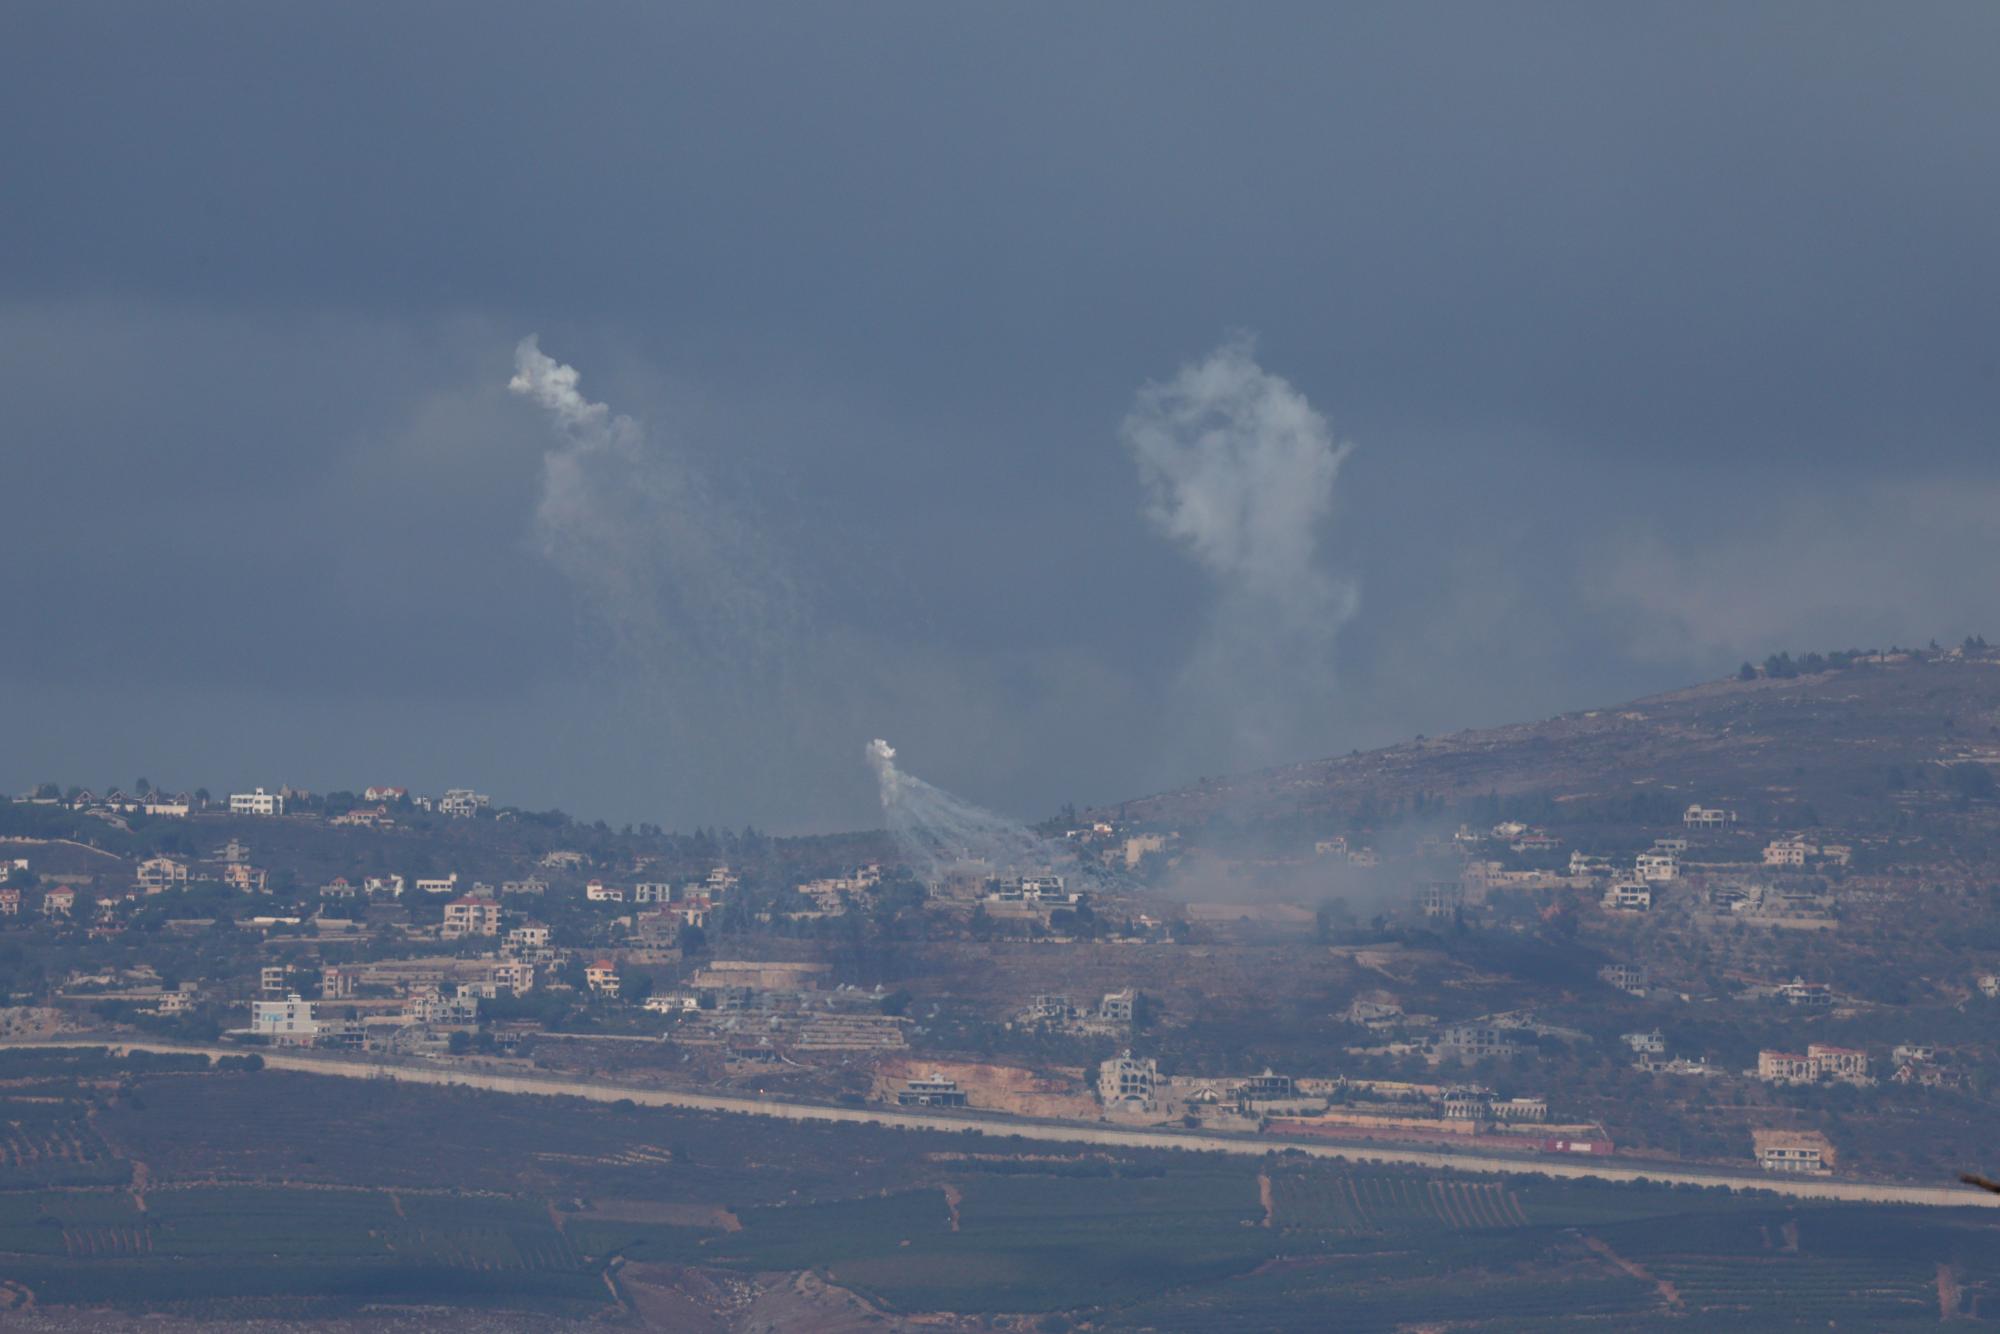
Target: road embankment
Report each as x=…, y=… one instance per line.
x=1057, y=1132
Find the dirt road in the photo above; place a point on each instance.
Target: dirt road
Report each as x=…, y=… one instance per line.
x=1063, y=1132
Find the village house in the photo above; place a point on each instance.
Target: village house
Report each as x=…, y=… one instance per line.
x=462, y=803
x=602, y=978
x=563, y=859
x=10, y=902
x=1793, y=1151
x=337, y=983
x=274, y=979
x=59, y=901
x=527, y=936
x=259, y=802
x=384, y=793
x=1646, y=1044
x=1989, y=986
x=1791, y=851
x=515, y=975
x=384, y=886
x=1820, y=1061
x=1810, y=995
x=935, y=1091
x=1439, y=898
x=1127, y=1084
x=673, y=1002
x=1629, y=896
x=533, y=886
x=173, y=807
x=340, y=887
x=599, y=892
x=653, y=891
x=245, y=878
x=438, y=884
x=1707, y=817
x=471, y=916
x=1474, y=1041
x=1629, y=978
x=364, y=817
x=1656, y=867
x=156, y=875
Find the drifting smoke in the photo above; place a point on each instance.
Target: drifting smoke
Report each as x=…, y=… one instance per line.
x=940, y=834
x=1239, y=470
x=698, y=617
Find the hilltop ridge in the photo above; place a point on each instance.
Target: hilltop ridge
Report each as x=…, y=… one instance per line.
x=1825, y=744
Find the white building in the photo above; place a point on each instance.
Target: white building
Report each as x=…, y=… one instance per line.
x=289, y=1021
x=434, y=884
x=1707, y=817
x=462, y=803
x=1655, y=867
x=259, y=802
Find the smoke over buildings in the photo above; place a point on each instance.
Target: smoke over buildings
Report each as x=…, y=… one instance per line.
x=939, y=834
x=1238, y=470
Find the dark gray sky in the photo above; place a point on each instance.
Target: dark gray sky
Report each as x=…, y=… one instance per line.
x=1663, y=337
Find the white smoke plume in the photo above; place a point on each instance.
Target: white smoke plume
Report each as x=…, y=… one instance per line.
x=1239, y=470
x=941, y=835
x=698, y=616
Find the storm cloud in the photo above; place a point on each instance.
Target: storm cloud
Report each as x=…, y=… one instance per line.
x=1664, y=337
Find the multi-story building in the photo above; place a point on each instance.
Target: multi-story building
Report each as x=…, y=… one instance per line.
x=288, y=1022
x=1629, y=896
x=156, y=875
x=1788, y=852
x=1655, y=867
x=1707, y=817
x=462, y=803
x=1793, y=1151
x=935, y=1091
x=471, y=916
x=1629, y=978
x=258, y=802
x=1128, y=1084
x=528, y=936
x=602, y=977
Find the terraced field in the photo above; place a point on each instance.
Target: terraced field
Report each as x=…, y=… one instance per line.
x=268, y=1194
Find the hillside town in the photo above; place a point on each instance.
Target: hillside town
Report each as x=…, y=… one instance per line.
x=1704, y=978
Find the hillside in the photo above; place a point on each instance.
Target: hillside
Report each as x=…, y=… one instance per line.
x=1844, y=744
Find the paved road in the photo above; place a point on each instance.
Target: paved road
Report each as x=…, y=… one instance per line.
x=1062, y=1132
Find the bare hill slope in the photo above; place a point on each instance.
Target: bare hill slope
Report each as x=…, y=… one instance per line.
x=1839, y=744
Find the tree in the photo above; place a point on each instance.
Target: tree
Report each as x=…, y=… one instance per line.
x=1746, y=672
x=459, y=1042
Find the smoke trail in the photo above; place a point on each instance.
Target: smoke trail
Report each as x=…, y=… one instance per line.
x=699, y=617
x=1238, y=469
x=940, y=834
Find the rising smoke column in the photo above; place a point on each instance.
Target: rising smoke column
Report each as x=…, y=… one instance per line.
x=939, y=833
x=1238, y=470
